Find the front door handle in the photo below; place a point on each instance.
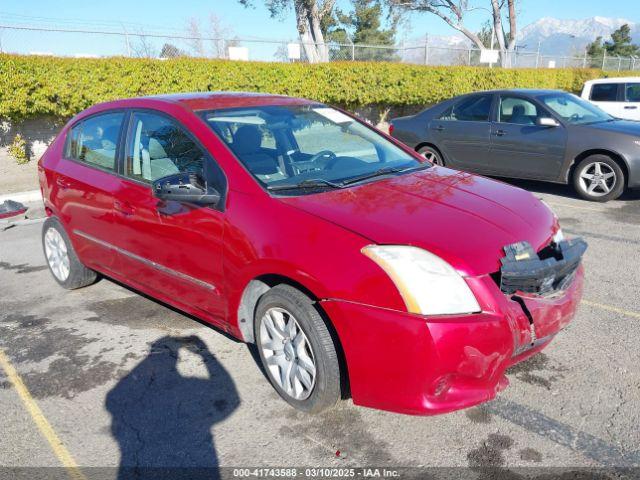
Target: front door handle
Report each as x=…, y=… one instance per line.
x=630, y=107
x=124, y=208
x=499, y=133
x=438, y=128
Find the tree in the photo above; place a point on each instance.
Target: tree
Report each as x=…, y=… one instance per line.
x=142, y=47
x=195, y=37
x=169, y=50
x=363, y=26
x=453, y=13
x=619, y=46
x=222, y=36
x=485, y=33
x=310, y=15
x=215, y=42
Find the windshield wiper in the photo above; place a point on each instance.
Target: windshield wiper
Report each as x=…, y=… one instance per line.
x=309, y=183
x=384, y=171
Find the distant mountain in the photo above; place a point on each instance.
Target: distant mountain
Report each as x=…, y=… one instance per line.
x=570, y=36
x=556, y=37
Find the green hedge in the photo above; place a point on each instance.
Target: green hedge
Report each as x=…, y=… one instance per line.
x=32, y=86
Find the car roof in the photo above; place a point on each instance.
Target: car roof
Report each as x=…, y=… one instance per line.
x=216, y=100
x=522, y=91
x=526, y=91
x=613, y=80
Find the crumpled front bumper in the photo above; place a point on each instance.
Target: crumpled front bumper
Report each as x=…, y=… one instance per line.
x=429, y=365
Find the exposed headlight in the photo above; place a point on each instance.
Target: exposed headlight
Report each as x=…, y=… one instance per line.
x=428, y=285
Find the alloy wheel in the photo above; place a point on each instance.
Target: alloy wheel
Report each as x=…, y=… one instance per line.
x=57, y=255
x=597, y=179
x=431, y=157
x=287, y=353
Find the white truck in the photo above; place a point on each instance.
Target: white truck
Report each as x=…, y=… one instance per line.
x=619, y=97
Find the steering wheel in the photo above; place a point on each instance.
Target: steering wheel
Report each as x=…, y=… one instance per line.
x=575, y=117
x=322, y=154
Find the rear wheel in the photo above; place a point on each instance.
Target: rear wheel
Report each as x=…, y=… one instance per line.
x=598, y=178
x=431, y=154
x=62, y=259
x=296, y=350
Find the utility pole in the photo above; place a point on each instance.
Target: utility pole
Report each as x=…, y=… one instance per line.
x=538, y=55
x=604, y=58
x=426, y=49
x=126, y=40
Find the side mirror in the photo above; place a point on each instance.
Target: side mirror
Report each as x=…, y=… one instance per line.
x=547, y=122
x=185, y=187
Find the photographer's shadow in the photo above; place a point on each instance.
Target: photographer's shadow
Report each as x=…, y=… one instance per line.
x=162, y=420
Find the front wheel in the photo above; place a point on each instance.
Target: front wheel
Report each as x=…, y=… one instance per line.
x=598, y=178
x=296, y=350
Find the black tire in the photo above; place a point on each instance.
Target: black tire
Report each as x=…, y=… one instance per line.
x=326, y=390
x=78, y=275
x=589, y=167
x=432, y=154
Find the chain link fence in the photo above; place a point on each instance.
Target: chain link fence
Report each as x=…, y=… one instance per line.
x=36, y=40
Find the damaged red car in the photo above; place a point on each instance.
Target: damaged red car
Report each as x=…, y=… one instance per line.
x=357, y=268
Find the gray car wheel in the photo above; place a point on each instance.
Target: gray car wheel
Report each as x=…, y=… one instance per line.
x=297, y=350
x=61, y=258
x=431, y=154
x=598, y=178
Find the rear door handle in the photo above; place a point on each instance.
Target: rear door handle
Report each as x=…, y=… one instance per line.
x=124, y=208
x=499, y=133
x=630, y=107
x=438, y=128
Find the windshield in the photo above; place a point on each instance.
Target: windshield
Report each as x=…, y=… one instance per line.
x=574, y=109
x=304, y=147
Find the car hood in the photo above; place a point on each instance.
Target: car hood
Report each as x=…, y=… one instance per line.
x=628, y=127
x=465, y=219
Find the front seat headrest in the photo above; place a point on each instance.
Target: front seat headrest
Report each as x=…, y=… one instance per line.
x=518, y=111
x=156, y=150
x=247, y=139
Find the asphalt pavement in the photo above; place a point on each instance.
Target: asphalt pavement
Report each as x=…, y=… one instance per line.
x=120, y=379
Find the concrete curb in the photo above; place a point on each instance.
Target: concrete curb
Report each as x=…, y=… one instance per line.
x=22, y=197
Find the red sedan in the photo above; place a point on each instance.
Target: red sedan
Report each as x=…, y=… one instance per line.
x=355, y=267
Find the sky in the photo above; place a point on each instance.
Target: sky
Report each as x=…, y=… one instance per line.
x=172, y=17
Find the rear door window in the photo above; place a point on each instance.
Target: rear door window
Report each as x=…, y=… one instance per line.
x=632, y=92
x=95, y=140
x=472, y=109
x=604, y=92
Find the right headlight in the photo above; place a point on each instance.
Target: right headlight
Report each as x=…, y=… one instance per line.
x=428, y=285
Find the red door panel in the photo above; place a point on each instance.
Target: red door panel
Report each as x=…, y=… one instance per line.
x=173, y=248
x=84, y=185
x=85, y=202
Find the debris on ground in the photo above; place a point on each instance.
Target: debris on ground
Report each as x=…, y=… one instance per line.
x=11, y=208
